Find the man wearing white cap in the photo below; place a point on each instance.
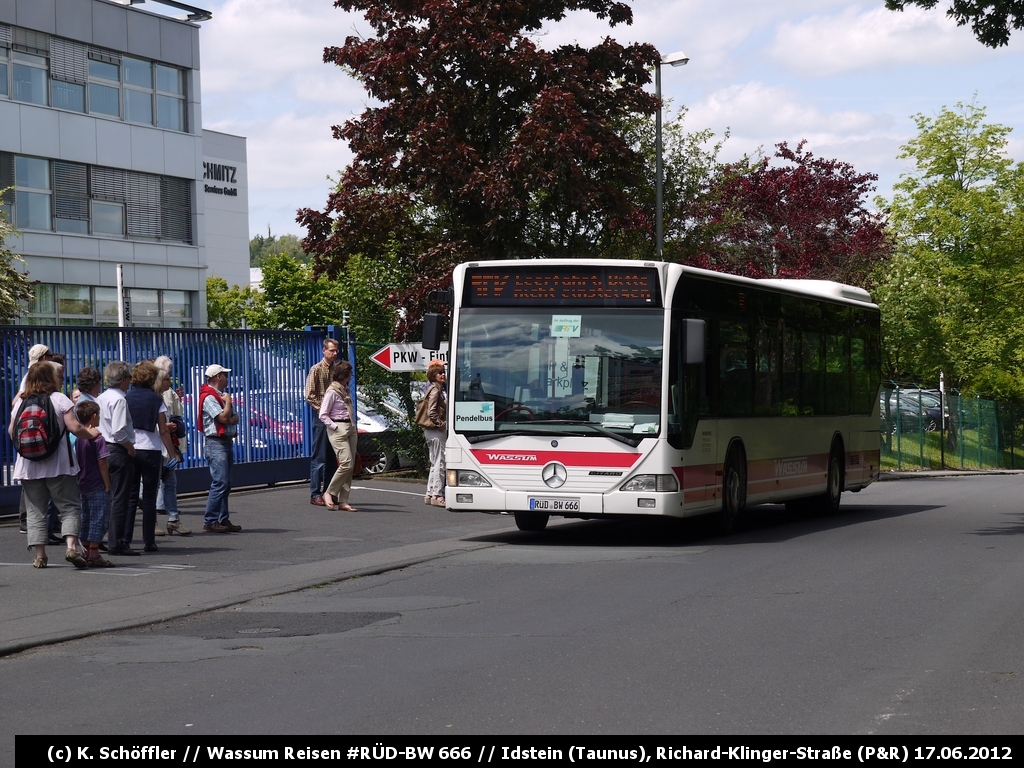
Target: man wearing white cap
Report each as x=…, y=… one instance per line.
x=218, y=421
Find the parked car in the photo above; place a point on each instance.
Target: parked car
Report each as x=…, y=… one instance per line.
x=377, y=446
x=913, y=409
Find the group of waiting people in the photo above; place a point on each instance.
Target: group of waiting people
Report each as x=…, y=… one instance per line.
x=129, y=440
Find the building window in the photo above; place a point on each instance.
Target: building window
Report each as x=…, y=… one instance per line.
x=104, y=88
x=106, y=306
x=97, y=305
x=107, y=218
x=68, y=95
x=4, y=55
x=31, y=193
x=71, y=197
x=138, y=90
x=29, y=78
x=74, y=305
x=170, y=98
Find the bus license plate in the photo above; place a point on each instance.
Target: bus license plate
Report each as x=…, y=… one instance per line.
x=541, y=504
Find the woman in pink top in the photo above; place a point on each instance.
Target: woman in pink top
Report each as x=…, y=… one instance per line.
x=336, y=414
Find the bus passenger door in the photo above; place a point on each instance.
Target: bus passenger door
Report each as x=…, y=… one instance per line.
x=694, y=436
x=700, y=475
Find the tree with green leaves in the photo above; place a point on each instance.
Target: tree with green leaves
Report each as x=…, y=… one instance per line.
x=990, y=20
x=260, y=247
x=951, y=297
x=690, y=162
x=15, y=287
x=229, y=307
x=481, y=144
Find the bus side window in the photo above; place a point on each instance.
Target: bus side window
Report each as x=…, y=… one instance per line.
x=790, y=372
x=735, y=380
x=766, y=371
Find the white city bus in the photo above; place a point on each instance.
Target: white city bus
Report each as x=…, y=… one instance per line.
x=599, y=389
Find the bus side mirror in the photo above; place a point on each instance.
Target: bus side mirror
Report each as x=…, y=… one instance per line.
x=433, y=331
x=693, y=341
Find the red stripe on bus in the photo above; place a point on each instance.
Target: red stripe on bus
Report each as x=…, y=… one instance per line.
x=568, y=458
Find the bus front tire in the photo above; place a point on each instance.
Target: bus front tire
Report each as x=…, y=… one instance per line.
x=734, y=491
x=531, y=521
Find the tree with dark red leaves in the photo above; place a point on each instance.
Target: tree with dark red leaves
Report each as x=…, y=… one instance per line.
x=802, y=219
x=485, y=145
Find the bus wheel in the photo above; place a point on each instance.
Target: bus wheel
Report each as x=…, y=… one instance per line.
x=531, y=521
x=734, y=491
x=834, y=487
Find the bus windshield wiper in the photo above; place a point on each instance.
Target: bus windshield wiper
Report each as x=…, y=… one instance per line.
x=632, y=442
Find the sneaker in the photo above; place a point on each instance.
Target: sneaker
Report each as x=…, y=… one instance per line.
x=23, y=530
x=215, y=528
x=176, y=526
x=231, y=526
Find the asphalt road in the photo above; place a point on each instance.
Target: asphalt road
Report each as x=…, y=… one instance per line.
x=902, y=615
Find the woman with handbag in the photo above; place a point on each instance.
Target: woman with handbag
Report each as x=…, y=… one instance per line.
x=336, y=415
x=432, y=416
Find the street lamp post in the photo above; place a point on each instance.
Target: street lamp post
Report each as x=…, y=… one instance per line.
x=676, y=60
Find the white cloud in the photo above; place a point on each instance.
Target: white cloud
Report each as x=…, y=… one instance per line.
x=253, y=46
x=775, y=114
x=858, y=39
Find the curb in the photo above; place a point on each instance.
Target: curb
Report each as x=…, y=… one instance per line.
x=922, y=474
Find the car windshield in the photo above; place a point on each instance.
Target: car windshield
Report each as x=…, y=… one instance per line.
x=591, y=372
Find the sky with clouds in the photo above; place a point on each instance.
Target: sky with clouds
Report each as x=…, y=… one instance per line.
x=845, y=76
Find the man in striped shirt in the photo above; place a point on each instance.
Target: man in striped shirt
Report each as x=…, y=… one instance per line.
x=317, y=382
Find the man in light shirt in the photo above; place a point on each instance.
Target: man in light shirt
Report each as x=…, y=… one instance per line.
x=119, y=432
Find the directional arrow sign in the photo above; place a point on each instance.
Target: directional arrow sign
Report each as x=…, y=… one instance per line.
x=404, y=358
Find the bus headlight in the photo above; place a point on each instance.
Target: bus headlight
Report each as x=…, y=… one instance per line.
x=466, y=477
x=648, y=483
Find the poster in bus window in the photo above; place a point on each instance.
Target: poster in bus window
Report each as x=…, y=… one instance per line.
x=566, y=326
x=473, y=415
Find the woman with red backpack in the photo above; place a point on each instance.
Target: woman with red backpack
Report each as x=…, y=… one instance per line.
x=46, y=466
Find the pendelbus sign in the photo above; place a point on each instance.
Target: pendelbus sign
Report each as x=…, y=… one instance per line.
x=406, y=358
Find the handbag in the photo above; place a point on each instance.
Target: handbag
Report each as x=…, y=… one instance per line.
x=422, y=417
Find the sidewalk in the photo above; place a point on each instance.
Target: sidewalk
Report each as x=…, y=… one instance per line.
x=911, y=474
x=286, y=544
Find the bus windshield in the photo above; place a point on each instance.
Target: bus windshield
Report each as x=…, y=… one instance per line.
x=581, y=371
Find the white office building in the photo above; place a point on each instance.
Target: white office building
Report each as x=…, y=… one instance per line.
x=102, y=147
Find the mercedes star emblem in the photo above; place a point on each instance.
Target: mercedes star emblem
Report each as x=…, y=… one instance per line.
x=554, y=475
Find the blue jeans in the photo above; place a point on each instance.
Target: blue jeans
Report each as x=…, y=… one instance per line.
x=317, y=468
x=220, y=455
x=167, y=496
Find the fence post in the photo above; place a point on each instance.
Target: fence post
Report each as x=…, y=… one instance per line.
x=960, y=428
x=920, y=431
x=942, y=429
x=977, y=410
x=899, y=433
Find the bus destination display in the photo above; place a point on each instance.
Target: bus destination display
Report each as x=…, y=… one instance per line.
x=563, y=286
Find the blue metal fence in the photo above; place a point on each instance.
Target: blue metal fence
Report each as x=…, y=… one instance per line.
x=267, y=381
